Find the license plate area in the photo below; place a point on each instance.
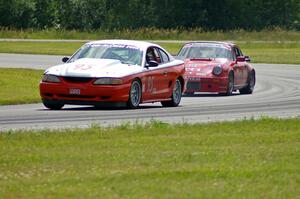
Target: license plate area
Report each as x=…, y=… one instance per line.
x=74, y=91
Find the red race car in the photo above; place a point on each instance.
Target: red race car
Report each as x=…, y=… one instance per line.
x=217, y=67
x=114, y=71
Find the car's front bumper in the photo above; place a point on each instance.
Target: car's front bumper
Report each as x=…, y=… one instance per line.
x=83, y=93
x=206, y=84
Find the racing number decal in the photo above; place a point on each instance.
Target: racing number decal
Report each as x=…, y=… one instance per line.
x=150, y=84
x=82, y=67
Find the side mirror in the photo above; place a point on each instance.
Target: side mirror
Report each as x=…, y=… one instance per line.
x=65, y=59
x=247, y=59
x=153, y=64
x=240, y=59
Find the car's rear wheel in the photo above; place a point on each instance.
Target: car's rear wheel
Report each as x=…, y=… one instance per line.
x=250, y=85
x=135, y=94
x=52, y=105
x=176, y=95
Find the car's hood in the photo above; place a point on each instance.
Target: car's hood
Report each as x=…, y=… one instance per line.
x=94, y=68
x=203, y=67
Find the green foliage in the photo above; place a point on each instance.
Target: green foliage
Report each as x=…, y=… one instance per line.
x=133, y=14
x=17, y=13
x=246, y=159
x=44, y=14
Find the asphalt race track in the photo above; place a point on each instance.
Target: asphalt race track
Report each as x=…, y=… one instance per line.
x=277, y=94
x=28, y=61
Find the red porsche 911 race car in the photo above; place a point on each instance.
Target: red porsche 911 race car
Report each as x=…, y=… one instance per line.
x=114, y=71
x=217, y=67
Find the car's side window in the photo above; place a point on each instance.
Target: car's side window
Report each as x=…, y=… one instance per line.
x=157, y=54
x=233, y=54
x=238, y=52
x=164, y=56
x=150, y=56
x=153, y=55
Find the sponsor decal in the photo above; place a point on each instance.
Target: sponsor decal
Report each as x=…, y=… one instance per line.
x=190, y=69
x=116, y=46
x=211, y=45
x=193, y=65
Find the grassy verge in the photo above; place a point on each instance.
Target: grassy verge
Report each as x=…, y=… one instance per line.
x=272, y=52
x=58, y=48
x=19, y=86
x=155, y=34
x=47, y=48
x=288, y=53
x=156, y=160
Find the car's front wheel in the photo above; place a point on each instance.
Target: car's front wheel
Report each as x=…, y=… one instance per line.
x=176, y=95
x=250, y=85
x=230, y=85
x=52, y=105
x=135, y=94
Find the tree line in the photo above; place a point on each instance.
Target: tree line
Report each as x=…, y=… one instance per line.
x=133, y=14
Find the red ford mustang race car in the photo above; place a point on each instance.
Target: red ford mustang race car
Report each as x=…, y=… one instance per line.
x=114, y=71
x=216, y=67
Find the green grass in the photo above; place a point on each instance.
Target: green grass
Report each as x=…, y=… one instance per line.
x=58, y=48
x=155, y=34
x=288, y=53
x=156, y=160
x=281, y=46
x=19, y=86
x=277, y=53
x=47, y=48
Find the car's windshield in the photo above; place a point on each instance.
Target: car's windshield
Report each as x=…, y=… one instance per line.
x=127, y=54
x=205, y=51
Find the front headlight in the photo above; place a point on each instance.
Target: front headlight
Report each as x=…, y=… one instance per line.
x=108, y=81
x=217, y=70
x=50, y=78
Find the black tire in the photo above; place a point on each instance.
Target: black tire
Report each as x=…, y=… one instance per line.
x=176, y=95
x=52, y=105
x=250, y=84
x=230, y=85
x=135, y=95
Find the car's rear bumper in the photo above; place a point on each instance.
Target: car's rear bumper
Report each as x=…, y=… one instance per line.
x=206, y=84
x=85, y=93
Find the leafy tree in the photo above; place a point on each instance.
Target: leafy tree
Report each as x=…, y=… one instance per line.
x=6, y=10
x=132, y=14
x=44, y=14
